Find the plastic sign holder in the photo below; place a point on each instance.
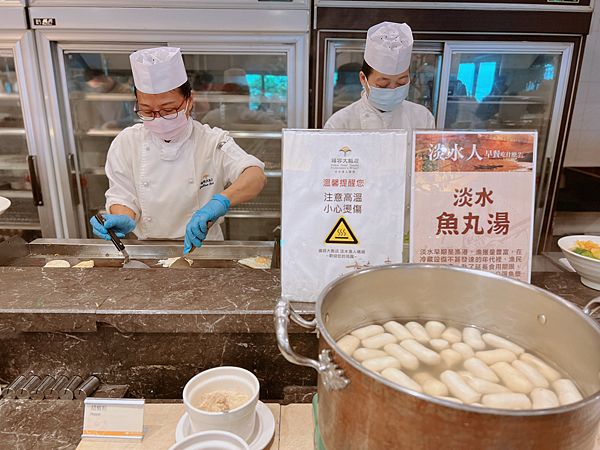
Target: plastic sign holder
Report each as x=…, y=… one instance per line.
x=120, y=419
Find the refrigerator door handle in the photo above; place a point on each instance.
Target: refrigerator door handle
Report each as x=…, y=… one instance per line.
x=36, y=188
x=75, y=176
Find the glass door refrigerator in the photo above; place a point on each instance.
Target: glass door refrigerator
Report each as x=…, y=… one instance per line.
x=248, y=69
x=509, y=68
x=27, y=175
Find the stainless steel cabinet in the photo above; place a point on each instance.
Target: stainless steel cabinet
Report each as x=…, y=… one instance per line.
x=26, y=169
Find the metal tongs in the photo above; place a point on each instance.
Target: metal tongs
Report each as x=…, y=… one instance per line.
x=127, y=263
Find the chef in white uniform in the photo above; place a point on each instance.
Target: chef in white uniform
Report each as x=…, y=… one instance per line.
x=167, y=175
x=386, y=79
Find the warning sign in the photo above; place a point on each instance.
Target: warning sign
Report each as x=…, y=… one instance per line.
x=342, y=234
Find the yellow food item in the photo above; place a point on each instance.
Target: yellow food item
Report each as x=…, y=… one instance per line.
x=169, y=261
x=257, y=262
x=596, y=252
x=58, y=263
x=85, y=264
x=588, y=245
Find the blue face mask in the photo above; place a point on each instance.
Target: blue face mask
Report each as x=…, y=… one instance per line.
x=386, y=99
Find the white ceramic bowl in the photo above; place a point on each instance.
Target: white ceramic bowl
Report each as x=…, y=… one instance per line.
x=4, y=204
x=587, y=268
x=239, y=421
x=212, y=440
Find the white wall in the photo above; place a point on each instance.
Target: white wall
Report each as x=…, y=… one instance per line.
x=583, y=147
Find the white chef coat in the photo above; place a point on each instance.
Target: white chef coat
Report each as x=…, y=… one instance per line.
x=362, y=115
x=164, y=184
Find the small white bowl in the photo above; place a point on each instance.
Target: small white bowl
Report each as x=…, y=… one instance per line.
x=239, y=421
x=212, y=440
x=4, y=204
x=587, y=268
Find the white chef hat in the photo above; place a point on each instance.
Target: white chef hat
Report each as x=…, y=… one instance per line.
x=389, y=46
x=158, y=70
x=235, y=76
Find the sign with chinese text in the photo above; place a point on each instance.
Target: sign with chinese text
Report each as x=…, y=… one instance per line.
x=473, y=200
x=113, y=418
x=342, y=205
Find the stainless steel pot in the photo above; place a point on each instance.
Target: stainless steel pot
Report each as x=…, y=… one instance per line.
x=359, y=409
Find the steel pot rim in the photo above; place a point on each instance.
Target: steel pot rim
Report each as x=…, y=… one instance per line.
x=477, y=409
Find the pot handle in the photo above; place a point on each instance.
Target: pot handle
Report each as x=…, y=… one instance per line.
x=332, y=377
x=592, y=307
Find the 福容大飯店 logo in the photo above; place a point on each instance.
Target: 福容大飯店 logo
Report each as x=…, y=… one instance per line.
x=207, y=180
x=345, y=151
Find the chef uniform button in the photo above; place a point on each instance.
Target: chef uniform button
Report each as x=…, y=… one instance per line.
x=191, y=180
x=146, y=147
x=146, y=184
x=149, y=219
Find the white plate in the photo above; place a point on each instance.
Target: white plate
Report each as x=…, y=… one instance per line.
x=264, y=428
x=4, y=204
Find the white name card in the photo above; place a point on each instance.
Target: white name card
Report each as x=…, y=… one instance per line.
x=113, y=418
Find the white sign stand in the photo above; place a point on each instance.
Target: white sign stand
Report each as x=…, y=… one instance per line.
x=342, y=206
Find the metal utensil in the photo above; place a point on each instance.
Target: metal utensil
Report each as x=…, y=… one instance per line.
x=127, y=263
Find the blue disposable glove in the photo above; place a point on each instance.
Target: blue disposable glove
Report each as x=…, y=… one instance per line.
x=121, y=224
x=197, y=227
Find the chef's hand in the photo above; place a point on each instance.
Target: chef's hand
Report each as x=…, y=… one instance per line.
x=197, y=227
x=121, y=224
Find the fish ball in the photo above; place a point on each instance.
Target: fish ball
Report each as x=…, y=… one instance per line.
x=543, y=368
x=506, y=401
x=450, y=357
x=406, y=358
x=499, y=342
x=472, y=337
x=452, y=335
x=418, y=331
x=423, y=377
x=398, y=330
x=400, y=378
x=435, y=388
x=348, y=344
x=512, y=378
x=493, y=356
x=536, y=378
x=544, y=398
x=481, y=370
x=465, y=350
x=435, y=329
x=367, y=332
x=567, y=391
x=439, y=344
x=484, y=387
x=379, y=341
x=458, y=388
x=379, y=364
x=362, y=354
x=424, y=355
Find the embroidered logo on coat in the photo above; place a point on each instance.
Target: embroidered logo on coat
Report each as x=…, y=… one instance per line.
x=206, y=181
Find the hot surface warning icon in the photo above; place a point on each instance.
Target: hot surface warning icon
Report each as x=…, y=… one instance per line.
x=342, y=234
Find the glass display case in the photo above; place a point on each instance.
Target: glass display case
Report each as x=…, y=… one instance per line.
x=15, y=183
x=243, y=94
x=344, y=63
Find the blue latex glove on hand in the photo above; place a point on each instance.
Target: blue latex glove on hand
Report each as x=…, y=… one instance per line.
x=121, y=224
x=197, y=227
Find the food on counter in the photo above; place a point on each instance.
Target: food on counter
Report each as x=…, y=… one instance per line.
x=85, y=264
x=221, y=400
x=462, y=365
x=587, y=248
x=58, y=263
x=256, y=262
x=169, y=261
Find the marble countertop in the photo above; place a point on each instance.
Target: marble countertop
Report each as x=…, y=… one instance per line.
x=204, y=300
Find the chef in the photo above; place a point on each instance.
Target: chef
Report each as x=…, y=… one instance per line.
x=167, y=175
x=386, y=79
